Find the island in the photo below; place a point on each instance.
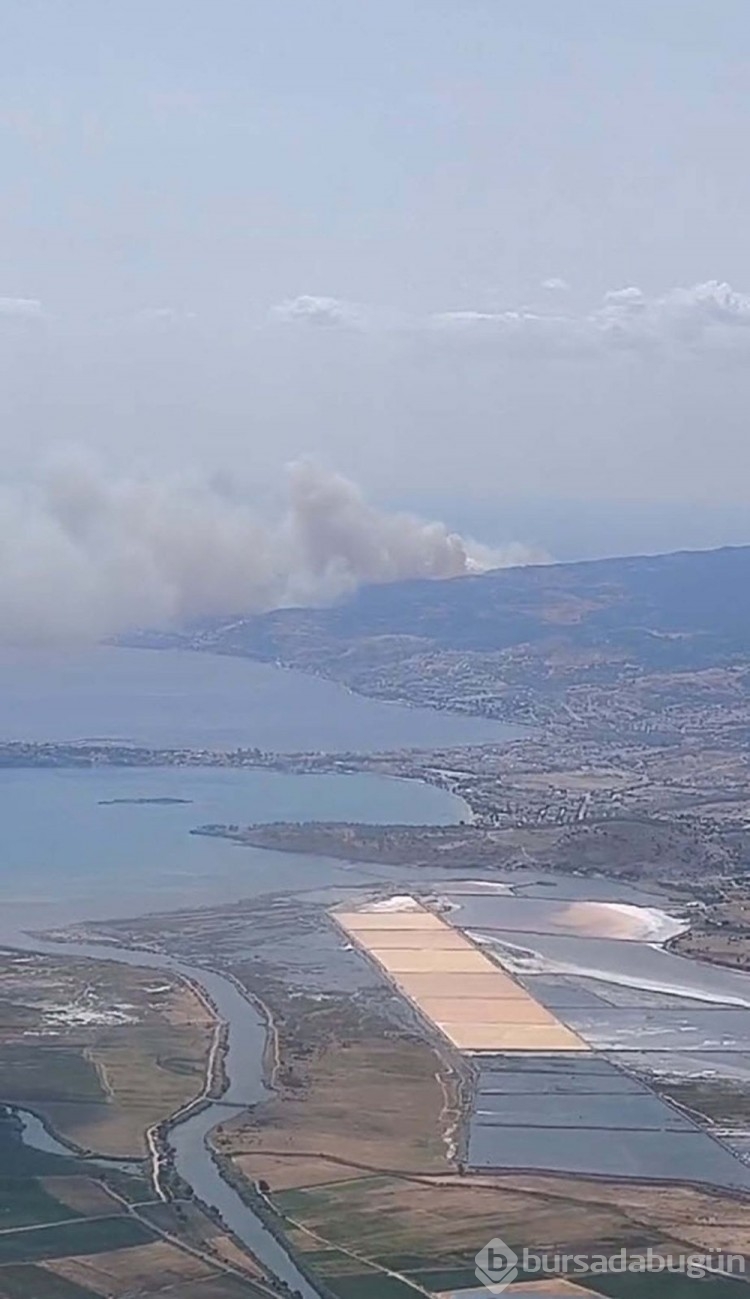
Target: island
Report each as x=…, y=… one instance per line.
x=138, y=802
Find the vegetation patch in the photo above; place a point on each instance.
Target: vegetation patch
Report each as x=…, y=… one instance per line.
x=461, y=1277
x=121, y=1272
x=84, y=1195
x=369, y=1285
x=30, y=1282
x=99, y=1049
x=31, y=1075
x=365, y=1106
x=646, y=1285
x=24, y=1201
x=90, y=1235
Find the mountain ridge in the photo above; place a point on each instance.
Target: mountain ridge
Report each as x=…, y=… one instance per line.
x=522, y=644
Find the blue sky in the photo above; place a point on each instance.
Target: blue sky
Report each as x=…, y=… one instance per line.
x=484, y=253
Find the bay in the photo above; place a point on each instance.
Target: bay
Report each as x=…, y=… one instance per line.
x=69, y=849
x=68, y=852
x=175, y=697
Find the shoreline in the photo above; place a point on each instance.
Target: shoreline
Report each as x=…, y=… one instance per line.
x=20, y=755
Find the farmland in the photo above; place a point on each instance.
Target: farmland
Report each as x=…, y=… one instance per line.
x=101, y=1051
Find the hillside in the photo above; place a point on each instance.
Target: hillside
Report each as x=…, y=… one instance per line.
x=616, y=643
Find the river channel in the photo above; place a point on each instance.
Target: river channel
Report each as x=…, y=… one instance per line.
x=188, y=1139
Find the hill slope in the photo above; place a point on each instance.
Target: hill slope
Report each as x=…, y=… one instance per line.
x=540, y=643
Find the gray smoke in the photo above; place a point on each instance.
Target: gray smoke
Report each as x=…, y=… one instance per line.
x=83, y=555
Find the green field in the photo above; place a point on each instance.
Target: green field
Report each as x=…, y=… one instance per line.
x=89, y=1236
x=661, y=1285
x=33, y=1074
x=36, y=1283
x=368, y=1285
x=24, y=1201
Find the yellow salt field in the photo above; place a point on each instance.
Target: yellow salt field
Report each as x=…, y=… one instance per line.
x=452, y=983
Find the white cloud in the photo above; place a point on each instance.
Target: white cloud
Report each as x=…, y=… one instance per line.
x=708, y=316
x=555, y=285
x=628, y=295
x=163, y=316
x=21, y=308
x=323, y=312
x=518, y=332
x=701, y=316
x=711, y=316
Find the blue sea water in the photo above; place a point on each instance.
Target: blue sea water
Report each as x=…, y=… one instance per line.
x=173, y=697
x=67, y=852
x=64, y=853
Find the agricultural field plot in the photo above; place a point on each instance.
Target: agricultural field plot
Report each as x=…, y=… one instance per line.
x=623, y=1287
x=58, y=1240
x=100, y=1050
x=63, y=1235
x=84, y=1195
x=429, y=1234
x=30, y=1282
x=359, y=1233
x=669, y=1287
x=558, y=1289
x=132, y=1272
x=26, y=1201
x=402, y=1095
x=124, y=1271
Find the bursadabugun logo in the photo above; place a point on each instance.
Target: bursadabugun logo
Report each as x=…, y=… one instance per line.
x=496, y=1265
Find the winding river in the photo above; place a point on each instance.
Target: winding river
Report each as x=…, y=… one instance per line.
x=246, y=1040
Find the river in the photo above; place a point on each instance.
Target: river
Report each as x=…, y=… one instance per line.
x=188, y=1139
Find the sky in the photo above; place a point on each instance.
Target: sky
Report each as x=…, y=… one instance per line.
x=485, y=258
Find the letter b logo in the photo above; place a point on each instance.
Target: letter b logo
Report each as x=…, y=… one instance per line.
x=496, y=1265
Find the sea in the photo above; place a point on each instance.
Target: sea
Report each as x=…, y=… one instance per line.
x=179, y=697
x=71, y=849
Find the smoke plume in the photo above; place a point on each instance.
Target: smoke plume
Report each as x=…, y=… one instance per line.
x=83, y=556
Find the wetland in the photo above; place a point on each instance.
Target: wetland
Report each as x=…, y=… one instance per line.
x=102, y=859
